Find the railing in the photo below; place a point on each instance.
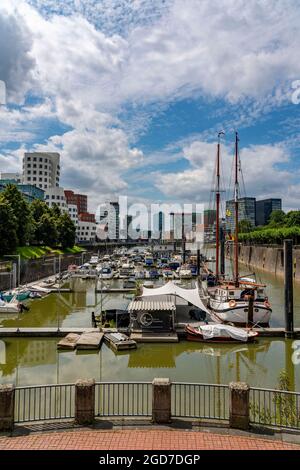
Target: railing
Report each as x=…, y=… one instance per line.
x=205, y=401
x=134, y=399
x=275, y=408
x=44, y=402
x=123, y=399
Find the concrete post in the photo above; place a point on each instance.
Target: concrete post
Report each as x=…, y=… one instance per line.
x=161, y=401
x=239, y=405
x=288, y=288
x=85, y=401
x=7, y=407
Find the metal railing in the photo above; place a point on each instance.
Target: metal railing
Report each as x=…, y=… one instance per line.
x=44, y=402
x=123, y=399
x=275, y=408
x=204, y=401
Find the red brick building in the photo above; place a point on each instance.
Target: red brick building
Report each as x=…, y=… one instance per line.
x=87, y=217
x=79, y=200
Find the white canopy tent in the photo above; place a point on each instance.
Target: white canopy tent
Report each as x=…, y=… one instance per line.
x=190, y=295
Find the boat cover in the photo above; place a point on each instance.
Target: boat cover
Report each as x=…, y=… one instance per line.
x=170, y=288
x=217, y=330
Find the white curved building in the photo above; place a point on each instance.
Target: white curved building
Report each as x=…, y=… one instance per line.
x=41, y=169
x=56, y=196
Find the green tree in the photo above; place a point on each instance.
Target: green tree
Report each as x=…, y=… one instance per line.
x=21, y=211
x=38, y=208
x=55, y=211
x=293, y=219
x=277, y=218
x=8, y=234
x=47, y=231
x=66, y=231
x=245, y=226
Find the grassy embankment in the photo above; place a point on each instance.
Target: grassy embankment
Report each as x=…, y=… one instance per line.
x=34, y=252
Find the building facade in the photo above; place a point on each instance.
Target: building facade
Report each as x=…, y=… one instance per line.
x=72, y=209
x=17, y=177
x=247, y=211
x=264, y=209
x=80, y=200
x=29, y=191
x=56, y=196
x=86, y=231
x=41, y=169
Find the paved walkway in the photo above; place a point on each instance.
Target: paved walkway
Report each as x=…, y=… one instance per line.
x=140, y=439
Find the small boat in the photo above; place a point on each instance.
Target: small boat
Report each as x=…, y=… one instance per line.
x=106, y=273
x=139, y=274
x=148, y=284
x=219, y=333
x=9, y=307
x=149, y=261
x=185, y=273
x=20, y=295
x=94, y=260
x=168, y=273
x=125, y=271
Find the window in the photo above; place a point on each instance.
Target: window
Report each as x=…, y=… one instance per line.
x=29, y=178
x=40, y=166
x=41, y=159
x=28, y=159
x=34, y=159
x=34, y=178
x=34, y=165
x=47, y=196
x=52, y=197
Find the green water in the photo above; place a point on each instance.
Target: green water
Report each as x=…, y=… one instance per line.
x=37, y=361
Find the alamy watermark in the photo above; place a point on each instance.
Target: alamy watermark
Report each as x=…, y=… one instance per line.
x=296, y=353
x=168, y=221
x=296, y=92
x=2, y=92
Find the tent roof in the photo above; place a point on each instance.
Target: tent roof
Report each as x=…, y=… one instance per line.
x=150, y=305
x=190, y=295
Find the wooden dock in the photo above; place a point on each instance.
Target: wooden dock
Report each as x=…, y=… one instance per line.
x=119, y=341
x=42, y=332
x=90, y=340
x=116, y=290
x=163, y=337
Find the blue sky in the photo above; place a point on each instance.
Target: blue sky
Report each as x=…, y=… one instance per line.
x=132, y=93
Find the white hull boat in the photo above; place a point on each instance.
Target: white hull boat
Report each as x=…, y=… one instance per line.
x=9, y=307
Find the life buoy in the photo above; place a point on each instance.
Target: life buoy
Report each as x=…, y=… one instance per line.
x=232, y=303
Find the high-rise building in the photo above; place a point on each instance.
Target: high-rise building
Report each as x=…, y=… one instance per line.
x=247, y=211
x=80, y=200
x=264, y=209
x=109, y=215
x=41, y=169
x=210, y=219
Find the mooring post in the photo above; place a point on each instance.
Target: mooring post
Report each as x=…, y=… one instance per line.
x=288, y=288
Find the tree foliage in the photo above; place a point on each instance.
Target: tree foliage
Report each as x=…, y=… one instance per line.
x=8, y=234
x=24, y=223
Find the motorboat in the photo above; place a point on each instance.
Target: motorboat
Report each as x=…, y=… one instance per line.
x=94, y=260
x=20, y=295
x=139, y=274
x=106, y=273
x=125, y=271
x=168, y=273
x=185, y=273
x=10, y=307
x=220, y=333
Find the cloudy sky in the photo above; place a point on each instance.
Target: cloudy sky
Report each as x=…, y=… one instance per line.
x=132, y=94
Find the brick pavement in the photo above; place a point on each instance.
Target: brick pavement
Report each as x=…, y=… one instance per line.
x=93, y=439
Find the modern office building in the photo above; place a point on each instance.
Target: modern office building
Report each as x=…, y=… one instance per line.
x=80, y=200
x=264, y=209
x=210, y=219
x=72, y=209
x=29, y=191
x=41, y=169
x=86, y=231
x=247, y=211
x=56, y=196
x=87, y=217
x=17, y=177
x=109, y=215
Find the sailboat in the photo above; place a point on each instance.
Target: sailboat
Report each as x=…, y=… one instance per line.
x=240, y=301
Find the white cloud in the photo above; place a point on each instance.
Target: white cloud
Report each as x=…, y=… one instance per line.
x=263, y=173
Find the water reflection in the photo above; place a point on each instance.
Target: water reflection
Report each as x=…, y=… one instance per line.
x=37, y=361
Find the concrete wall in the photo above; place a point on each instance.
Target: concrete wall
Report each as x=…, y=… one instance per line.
x=269, y=259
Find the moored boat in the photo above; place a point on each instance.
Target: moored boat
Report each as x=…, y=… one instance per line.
x=219, y=333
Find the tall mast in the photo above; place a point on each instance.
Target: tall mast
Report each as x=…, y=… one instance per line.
x=236, y=209
x=218, y=208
